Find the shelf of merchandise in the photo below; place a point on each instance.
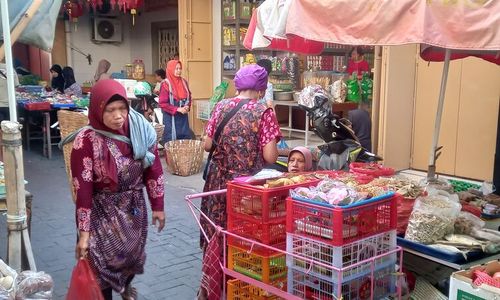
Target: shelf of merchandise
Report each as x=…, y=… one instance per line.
x=238, y=22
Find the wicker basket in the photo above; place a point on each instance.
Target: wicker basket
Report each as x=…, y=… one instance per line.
x=184, y=157
x=70, y=121
x=159, y=131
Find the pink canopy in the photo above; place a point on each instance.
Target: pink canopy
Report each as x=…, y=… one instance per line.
x=299, y=25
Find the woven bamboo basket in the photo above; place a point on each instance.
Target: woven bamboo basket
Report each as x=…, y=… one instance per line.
x=70, y=121
x=184, y=157
x=159, y=131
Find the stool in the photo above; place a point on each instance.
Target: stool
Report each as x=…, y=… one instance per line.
x=46, y=135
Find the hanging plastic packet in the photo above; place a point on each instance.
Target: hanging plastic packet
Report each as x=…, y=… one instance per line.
x=366, y=88
x=353, y=94
x=339, y=91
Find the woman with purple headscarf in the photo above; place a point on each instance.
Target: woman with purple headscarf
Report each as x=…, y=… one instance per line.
x=246, y=143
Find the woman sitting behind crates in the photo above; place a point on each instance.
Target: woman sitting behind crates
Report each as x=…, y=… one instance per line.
x=300, y=160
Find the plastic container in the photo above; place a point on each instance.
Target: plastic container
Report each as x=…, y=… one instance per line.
x=336, y=225
x=257, y=203
x=272, y=234
x=240, y=290
x=129, y=71
x=265, y=268
x=309, y=286
x=341, y=256
x=139, y=72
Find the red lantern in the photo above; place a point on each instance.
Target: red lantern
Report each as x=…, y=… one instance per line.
x=132, y=5
x=74, y=11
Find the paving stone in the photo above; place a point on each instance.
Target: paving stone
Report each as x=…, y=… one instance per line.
x=173, y=265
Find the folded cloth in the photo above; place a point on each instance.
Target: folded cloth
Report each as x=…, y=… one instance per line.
x=211, y=278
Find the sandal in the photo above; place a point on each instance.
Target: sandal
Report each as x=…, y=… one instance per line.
x=130, y=293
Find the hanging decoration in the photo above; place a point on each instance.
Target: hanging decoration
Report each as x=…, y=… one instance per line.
x=123, y=5
x=74, y=10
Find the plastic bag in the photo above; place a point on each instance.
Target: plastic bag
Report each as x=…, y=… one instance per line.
x=218, y=95
x=83, y=285
x=433, y=217
x=405, y=207
x=7, y=292
x=34, y=285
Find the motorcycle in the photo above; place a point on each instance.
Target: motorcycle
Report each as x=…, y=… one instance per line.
x=341, y=145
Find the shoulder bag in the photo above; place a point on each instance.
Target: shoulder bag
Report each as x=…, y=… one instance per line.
x=218, y=131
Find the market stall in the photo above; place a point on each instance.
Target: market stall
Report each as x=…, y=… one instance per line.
x=303, y=22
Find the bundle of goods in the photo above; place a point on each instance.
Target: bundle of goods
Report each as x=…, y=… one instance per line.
x=372, y=169
x=488, y=205
x=257, y=211
x=438, y=224
x=340, y=231
x=25, y=285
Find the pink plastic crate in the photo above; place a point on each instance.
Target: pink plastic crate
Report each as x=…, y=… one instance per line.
x=341, y=256
x=336, y=225
x=310, y=287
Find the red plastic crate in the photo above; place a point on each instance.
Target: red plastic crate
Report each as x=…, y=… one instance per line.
x=372, y=169
x=271, y=233
x=337, y=225
x=37, y=106
x=256, y=203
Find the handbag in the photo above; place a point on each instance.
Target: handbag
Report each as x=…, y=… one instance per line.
x=218, y=131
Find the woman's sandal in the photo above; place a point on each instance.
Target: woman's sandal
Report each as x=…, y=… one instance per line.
x=130, y=293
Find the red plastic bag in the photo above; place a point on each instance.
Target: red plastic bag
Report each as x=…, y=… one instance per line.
x=405, y=207
x=83, y=285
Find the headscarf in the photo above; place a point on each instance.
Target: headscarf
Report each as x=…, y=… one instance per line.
x=57, y=82
x=69, y=77
x=136, y=131
x=102, y=67
x=251, y=77
x=307, y=156
x=178, y=90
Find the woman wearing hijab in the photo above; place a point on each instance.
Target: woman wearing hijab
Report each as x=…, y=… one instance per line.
x=57, y=82
x=300, y=160
x=175, y=102
x=70, y=85
x=112, y=160
x=246, y=142
x=102, y=70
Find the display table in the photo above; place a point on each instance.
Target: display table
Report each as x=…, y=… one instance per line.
x=291, y=105
x=434, y=269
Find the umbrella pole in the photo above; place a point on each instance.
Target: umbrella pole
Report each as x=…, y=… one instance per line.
x=435, y=151
x=8, y=60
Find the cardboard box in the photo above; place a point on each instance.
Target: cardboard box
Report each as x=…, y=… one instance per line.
x=461, y=287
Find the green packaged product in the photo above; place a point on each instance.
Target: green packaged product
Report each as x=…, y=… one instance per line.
x=353, y=94
x=218, y=95
x=366, y=88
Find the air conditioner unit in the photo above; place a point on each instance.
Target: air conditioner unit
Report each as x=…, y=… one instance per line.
x=107, y=30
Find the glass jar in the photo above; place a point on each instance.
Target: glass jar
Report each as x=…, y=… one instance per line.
x=129, y=70
x=139, y=72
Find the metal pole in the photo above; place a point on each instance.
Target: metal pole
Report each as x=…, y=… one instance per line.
x=16, y=201
x=437, y=126
x=8, y=60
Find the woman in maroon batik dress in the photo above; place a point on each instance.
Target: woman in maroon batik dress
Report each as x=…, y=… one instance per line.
x=109, y=175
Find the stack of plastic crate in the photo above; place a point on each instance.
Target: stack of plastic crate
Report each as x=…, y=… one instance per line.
x=258, y=214
x=350, y=247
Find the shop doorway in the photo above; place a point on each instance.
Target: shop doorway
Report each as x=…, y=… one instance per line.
x=165, y=42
